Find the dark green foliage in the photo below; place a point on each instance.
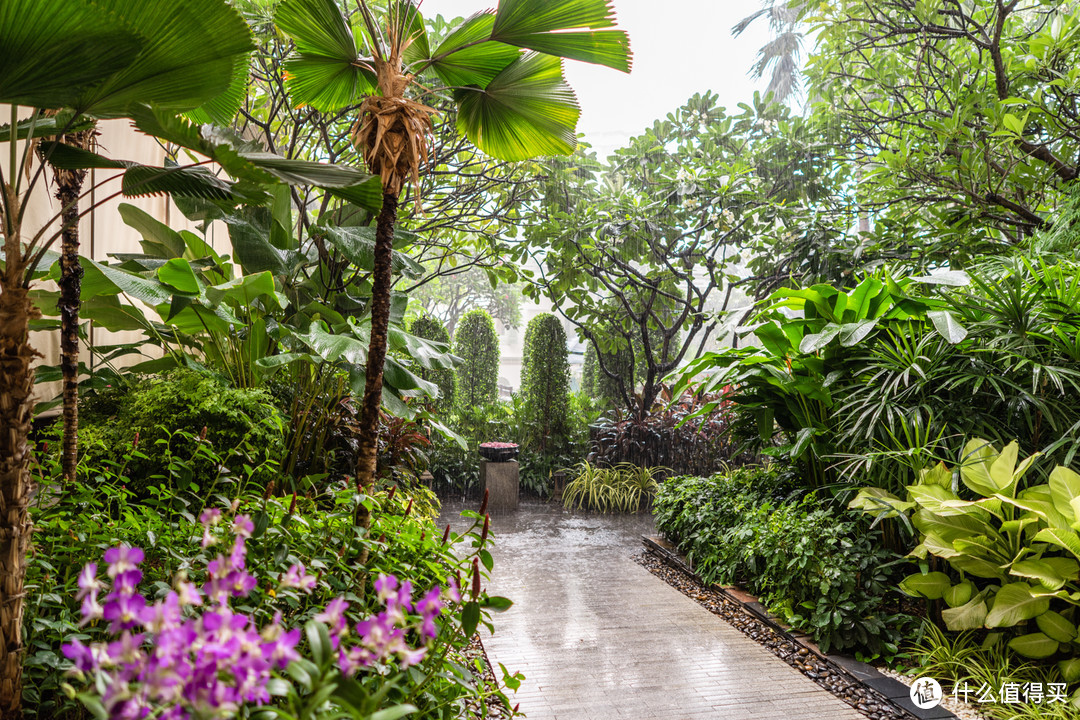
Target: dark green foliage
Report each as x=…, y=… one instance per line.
x=321, y=428
x=431, y=328
x=598, y=385
x=824, y=573
x=457, y=471
x=475, y=342
x=545, y=382
x=666, y=439
x=182, y=400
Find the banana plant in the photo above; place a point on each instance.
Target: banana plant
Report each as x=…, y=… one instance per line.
x=234, y=317
x=1013, y=548
x=805, y=343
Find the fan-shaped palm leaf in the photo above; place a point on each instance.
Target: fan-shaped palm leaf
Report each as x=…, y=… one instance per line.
x=576, y=29
x=526, y=111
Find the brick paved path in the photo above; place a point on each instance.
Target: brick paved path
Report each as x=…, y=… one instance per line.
x=598, y=637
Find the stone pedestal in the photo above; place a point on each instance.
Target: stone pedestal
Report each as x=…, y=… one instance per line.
x=500, y=479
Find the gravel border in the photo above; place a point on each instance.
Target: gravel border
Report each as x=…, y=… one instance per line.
x=495, y=708
x=875, y=695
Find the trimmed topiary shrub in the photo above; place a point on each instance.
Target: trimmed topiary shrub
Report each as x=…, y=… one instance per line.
x=545, y=382
x=431, y=328
x=181, y=400
x=475, y=342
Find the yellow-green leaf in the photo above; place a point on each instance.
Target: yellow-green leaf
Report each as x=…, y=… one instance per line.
x=1034, y=645
x=1055, y=626
x=1013, y=604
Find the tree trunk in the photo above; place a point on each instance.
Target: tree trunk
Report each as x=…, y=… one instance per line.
x=68, y=188
x=382, y=279
x=16, y=410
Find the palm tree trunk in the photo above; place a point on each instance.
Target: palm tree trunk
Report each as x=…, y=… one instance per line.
x=382, y=280
x=68, y=188
x=16, y=409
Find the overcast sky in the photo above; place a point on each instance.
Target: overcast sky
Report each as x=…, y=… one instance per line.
x=681, y=47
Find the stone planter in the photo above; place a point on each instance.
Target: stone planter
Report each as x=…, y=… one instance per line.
x=500, y=480
x=498, y=452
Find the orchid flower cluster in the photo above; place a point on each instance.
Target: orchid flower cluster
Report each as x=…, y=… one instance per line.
x=190, y=655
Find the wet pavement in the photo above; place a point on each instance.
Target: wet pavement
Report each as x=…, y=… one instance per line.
x=598, y=637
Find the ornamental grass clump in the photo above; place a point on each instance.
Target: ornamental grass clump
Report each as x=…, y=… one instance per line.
x=190, y=654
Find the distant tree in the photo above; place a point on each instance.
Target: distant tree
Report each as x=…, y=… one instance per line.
x=596, y=383
x=477, y=379
x=431, y=328
x=781, y=55
x=450, y=295
x=545, y=380
x=642, y=257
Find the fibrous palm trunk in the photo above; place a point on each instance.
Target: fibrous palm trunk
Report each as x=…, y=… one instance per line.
x=16, y=410
x=382, y=281
x=68, y=187
x=392, y=136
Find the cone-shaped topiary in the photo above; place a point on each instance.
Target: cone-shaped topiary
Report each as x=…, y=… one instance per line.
x=431, y=328
x=477, y=380
x=545, y=381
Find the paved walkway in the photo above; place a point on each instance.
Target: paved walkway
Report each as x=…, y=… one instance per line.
x=598, y=637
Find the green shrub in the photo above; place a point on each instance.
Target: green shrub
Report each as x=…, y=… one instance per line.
x=75, y=524
x=475, y=342
x=155, y=408
x=457, y=470
x=545, y=382
x=823, y=573
x=431, y=328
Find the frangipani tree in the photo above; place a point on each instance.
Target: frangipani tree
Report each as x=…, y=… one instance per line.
x=86, y=59
x=502, y=69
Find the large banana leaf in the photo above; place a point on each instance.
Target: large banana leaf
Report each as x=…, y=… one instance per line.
x=576, y=29
x=525, y=111
x=357, y=244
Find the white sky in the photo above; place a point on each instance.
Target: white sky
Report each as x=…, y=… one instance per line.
x=680, y=47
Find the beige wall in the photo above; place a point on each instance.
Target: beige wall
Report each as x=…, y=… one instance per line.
x=103, y=231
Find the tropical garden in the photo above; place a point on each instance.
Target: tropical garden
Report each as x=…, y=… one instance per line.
x=830, y=338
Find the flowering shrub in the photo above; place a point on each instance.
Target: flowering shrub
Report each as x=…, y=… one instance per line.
x=76, y=524
x=190, y=654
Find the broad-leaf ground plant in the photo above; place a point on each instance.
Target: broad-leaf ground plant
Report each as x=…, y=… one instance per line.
x=1001, y=550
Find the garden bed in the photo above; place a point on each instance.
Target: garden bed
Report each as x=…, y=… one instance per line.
x=484, y=708
x=858, y=684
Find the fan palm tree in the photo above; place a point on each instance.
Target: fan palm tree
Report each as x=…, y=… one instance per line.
x=779, y=56
x=502, y=68
x=93, y=58
x=69, y=183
